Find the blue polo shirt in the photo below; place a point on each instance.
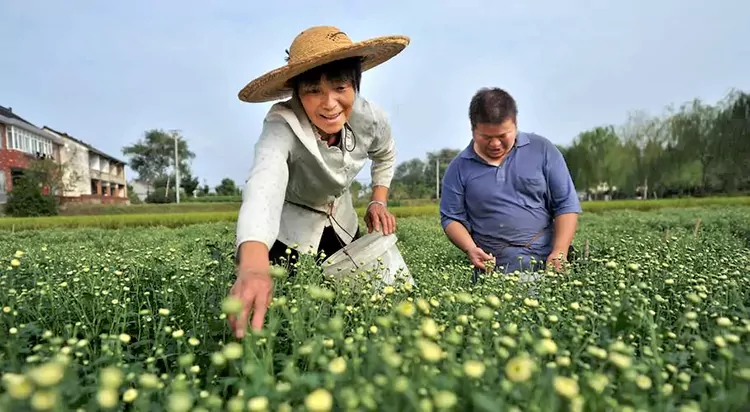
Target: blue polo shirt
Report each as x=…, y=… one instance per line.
x=512, y=202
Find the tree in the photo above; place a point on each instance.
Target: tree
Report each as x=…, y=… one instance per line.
x=410, y=172
x=644, y=141
x=399, y=191
x=442, y=159
x=597, y=158
x=699, y=148
x=152, y=156
x=693, y=142
x=732, y=133
x=188, y=183
x=227, y=188
x=408, y=181
x=415, y=178
x=204, y=190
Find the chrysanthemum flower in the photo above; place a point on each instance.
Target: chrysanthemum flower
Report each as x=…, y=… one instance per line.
x=519, y=368
x=319, y=400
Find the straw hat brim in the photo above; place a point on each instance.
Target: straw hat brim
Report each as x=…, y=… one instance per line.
x=273, y=85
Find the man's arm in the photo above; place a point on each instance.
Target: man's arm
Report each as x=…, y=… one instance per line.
x=459, y=236
x=453, y=215
x=565, y=226
x=564, y=202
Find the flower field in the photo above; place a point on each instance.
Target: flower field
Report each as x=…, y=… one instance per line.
x=653, y=315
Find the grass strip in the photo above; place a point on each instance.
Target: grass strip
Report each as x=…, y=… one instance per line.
x=149, y=217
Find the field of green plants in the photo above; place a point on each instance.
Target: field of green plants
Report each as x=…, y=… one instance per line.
x=655, y=315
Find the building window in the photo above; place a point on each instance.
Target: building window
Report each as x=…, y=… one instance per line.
x=94, y=162
x=27, y=142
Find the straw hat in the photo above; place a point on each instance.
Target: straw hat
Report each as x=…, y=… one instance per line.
x=316, y=46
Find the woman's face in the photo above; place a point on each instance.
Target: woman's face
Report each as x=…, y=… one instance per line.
x=328, y=104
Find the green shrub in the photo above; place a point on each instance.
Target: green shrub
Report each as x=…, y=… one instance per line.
x=28, y=200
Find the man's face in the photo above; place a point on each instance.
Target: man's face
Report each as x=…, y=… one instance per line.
x=494, y=141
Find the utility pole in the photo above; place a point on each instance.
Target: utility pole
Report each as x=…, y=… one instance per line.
x=437, y=178
x=176, y=166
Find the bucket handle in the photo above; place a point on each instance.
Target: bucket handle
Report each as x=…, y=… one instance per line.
x=343, y=246
x=332, y=220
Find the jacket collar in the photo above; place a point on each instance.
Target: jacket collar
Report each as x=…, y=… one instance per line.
x=362, y=120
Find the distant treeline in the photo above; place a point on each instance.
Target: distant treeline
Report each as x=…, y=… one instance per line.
x=696, y=150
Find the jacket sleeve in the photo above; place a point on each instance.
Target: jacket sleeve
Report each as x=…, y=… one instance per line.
x=383, y=154
x=265, y=188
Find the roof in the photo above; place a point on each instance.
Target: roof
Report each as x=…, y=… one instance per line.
x=8, y=117
x=86, y=145
x=8, y=112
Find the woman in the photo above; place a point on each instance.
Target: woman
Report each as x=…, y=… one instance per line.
x=310, y=149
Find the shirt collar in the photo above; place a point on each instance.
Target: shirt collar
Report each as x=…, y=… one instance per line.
x=522, y=139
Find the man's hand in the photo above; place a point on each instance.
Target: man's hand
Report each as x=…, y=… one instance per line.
x=477, y=256
x=253, y=288
x=556, y=259
x=379, y=218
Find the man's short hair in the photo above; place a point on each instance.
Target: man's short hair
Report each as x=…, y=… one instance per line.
x=491, y=106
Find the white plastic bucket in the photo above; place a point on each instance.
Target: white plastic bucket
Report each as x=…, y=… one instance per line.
x=375, y=254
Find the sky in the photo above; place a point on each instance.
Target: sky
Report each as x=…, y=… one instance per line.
x=105, y=72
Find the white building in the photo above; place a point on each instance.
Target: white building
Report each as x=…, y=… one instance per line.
x=90, y=173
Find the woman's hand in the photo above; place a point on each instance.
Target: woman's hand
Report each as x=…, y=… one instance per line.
x=379, y=218
x=253, y=287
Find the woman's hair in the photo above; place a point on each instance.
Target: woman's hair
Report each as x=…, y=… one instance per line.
x=349, y=69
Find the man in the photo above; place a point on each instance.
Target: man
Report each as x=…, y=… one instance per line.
x=508, y=197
